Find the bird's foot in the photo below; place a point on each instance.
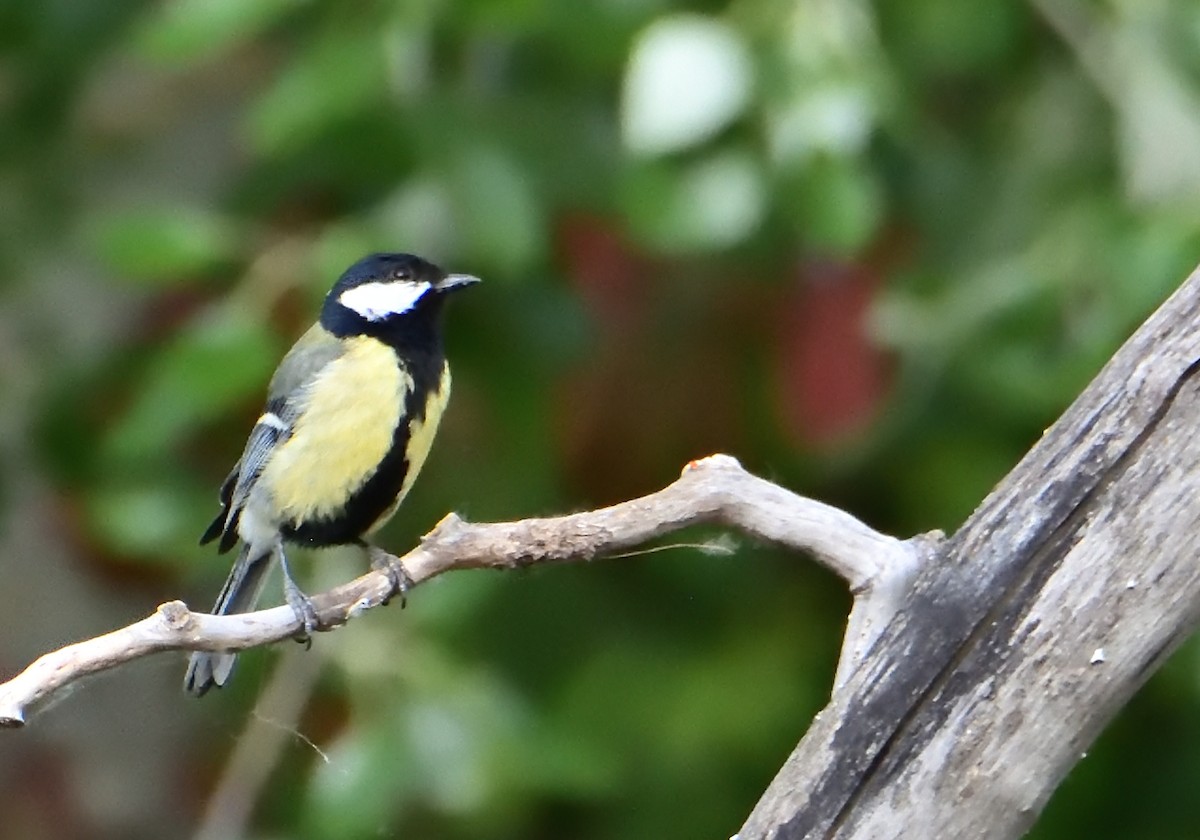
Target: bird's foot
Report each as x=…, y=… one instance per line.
x=305, y=612
x=393, y=567
x=300, y=603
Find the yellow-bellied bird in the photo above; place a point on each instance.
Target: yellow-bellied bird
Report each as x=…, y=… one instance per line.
x=350, y=416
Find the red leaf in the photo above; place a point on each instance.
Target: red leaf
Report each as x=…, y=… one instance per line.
x=831, y=378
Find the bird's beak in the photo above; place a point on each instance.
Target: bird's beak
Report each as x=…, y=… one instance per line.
x=456, y=281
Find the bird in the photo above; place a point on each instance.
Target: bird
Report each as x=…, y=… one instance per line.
x=351, y=413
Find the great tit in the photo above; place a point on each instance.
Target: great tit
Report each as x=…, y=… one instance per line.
x=351, y=413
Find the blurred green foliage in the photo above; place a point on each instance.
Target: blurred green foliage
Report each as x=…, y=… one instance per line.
x=872, y=249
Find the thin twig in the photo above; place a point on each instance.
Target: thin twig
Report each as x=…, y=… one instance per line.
x=713, y=490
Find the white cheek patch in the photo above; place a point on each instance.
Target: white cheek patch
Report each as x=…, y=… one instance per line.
x=376, y=301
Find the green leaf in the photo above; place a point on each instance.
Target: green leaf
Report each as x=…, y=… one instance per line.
x=838, y=205
x=689, y=76
x=367, y=779
x=161, y=244
x=503, y=222
x=712, y=204
x=145, y=518
x=422, y=213
x=186, y=31
x=337, y=77
x=218, y=362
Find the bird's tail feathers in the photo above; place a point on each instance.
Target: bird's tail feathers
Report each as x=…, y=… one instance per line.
x=239, y=594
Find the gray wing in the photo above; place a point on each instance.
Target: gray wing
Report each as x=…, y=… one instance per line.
x=315, y=349
x=308, y=356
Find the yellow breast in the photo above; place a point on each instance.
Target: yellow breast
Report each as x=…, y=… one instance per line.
x=350, y=411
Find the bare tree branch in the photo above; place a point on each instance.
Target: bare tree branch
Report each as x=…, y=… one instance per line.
x=714, y=490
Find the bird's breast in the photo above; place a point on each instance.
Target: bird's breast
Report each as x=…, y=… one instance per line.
x=347, y=420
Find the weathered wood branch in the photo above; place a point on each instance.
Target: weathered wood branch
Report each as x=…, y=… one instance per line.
x=1025, y=632
x=714, y=490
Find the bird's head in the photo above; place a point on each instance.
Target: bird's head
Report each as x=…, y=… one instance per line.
x=384, y=291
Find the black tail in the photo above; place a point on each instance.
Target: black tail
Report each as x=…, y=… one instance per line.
x=240, y=593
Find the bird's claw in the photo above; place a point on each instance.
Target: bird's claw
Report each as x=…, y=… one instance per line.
x=393, y=567
x=302, y=606
x=305, y=612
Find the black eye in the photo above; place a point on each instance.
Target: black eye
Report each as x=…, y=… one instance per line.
x=402, y=274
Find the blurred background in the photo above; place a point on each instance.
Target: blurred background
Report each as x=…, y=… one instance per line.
x=872, y=249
